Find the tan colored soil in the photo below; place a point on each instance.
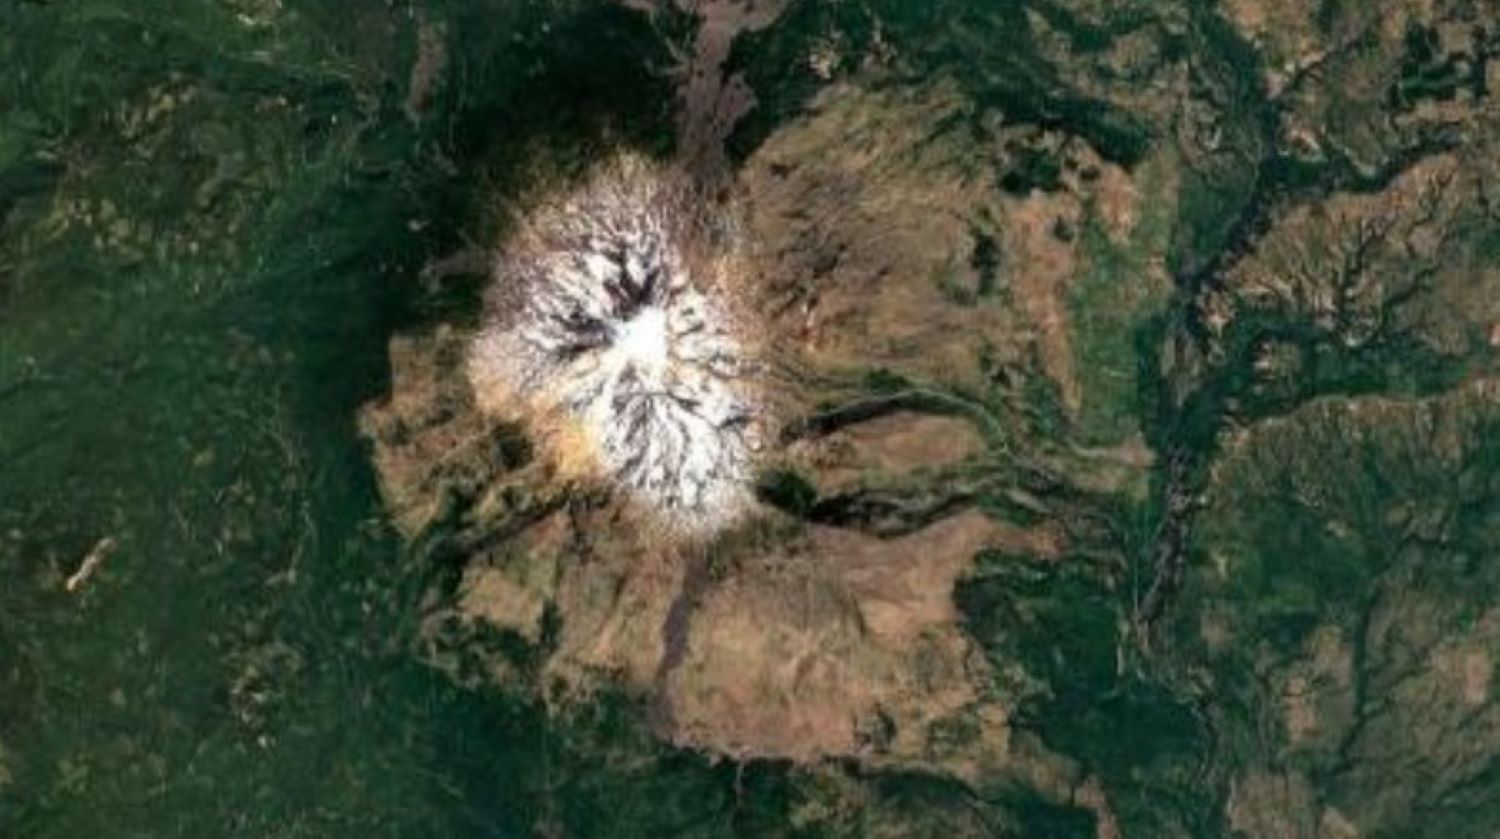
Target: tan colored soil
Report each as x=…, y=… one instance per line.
x=813, y=649
x=895, y=444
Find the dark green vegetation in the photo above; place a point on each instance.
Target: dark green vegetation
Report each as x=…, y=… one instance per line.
x=212, y=216
x=211, y=220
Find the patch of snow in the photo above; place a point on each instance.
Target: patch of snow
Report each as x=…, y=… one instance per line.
x=595, y=319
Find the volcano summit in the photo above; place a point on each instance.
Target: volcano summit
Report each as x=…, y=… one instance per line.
x=609, y=325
